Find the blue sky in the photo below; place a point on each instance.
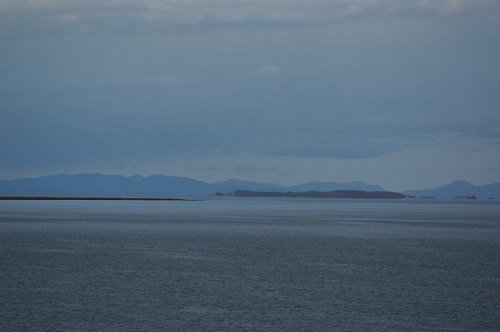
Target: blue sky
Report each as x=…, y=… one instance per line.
x=403, y=94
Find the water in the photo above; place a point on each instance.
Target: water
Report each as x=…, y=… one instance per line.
x=250, y=265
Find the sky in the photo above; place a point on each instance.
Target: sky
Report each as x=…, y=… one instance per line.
x=404, y=94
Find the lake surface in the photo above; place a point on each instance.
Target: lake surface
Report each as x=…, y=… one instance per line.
x=250, y=264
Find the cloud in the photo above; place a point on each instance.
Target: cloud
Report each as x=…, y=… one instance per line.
x=208, y=168
x=153, y=80
x=448, y=7
x=269, y=69
x=249, y=169
x=354, y=9
x=121, y=82
x=344, y=146
x=91, y=15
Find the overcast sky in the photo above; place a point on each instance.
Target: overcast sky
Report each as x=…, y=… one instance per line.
x=400, y=93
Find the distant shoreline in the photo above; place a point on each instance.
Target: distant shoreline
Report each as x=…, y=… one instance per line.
x=91, y=198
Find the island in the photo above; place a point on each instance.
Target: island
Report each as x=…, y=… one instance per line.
x=465, y=197
x=85, y=198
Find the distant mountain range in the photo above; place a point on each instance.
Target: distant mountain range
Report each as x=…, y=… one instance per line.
x=172, y=186
x=233, y=184
x=459, y=188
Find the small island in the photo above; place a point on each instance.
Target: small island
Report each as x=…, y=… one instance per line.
x=318, y=194
x=465, y=197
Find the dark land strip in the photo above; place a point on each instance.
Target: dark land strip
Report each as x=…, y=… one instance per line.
x=91, y=198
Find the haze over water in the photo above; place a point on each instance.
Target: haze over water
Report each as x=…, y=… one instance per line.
x=250, y=264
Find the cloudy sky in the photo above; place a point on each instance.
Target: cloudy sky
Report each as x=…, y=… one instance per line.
x=400, y=93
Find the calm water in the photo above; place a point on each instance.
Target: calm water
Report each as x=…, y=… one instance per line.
x=250, y=265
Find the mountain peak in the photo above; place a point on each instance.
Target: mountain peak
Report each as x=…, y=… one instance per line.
x=460, y=183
